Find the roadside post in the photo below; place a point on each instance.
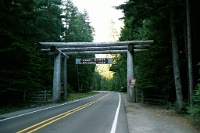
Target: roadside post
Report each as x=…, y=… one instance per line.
x=56, y=78
x=130, y=74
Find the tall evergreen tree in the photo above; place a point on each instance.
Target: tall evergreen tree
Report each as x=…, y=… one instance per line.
x=78, y=29
x=189, y=53
x=151, y=20
x=176, y=66
x=22, y=25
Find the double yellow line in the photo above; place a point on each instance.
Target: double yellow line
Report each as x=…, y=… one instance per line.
x=47, y=122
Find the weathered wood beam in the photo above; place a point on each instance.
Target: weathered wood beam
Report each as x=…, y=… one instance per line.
x=93, y=44
x=102, y=52
x=69, y=49
x=143, y=46
x=96, y=52
x=89, y=48
x=94, y=48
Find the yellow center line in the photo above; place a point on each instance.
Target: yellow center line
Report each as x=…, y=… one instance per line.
x=58, y=117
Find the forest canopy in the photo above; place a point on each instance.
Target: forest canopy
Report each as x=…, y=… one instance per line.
x=24, y=23
x=170, y=67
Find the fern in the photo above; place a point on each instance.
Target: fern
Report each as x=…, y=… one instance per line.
x=195, y=110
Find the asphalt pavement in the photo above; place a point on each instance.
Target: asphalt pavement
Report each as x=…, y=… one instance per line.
x=102, y=113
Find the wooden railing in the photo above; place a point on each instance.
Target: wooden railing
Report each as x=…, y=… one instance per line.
x=41, y=96
x=152, y=98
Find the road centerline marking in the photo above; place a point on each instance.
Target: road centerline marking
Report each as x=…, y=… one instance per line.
x=43, y=109
x=53, y=119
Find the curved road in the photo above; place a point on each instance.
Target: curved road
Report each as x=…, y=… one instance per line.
x=103, y=113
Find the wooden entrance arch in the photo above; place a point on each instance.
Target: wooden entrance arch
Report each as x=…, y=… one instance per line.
x=64, y=49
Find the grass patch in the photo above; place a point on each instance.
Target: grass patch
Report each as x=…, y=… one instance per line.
x=74, y=96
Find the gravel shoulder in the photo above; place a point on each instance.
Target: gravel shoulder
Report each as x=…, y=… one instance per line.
x=145, y=118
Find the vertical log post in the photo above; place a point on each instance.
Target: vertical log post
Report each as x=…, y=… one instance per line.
x=65, y=78
x=45, y=95
x=142, y=96
x=62, y=78
x=56, y=78
x=130, y=73
x=24, y=95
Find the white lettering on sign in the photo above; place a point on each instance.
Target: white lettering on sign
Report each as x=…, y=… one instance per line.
x=95, y=61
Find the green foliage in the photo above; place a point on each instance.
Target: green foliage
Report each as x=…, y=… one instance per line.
x=23, y=66
x=23, y=24
x=69, y=89
x=97, y=79
x=18, y=69
x=119, y=81
x=195, y=110
x=155, y=63
x=154, y=68
x=78, y=29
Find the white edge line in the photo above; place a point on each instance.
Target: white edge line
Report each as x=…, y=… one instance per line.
x=114, y=125
x=12, y=117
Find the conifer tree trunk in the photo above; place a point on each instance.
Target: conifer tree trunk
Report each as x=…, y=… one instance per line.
x=189, y=53
x=175, y=55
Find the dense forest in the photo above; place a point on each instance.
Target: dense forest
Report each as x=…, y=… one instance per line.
x=24, y=67
x=169, y=67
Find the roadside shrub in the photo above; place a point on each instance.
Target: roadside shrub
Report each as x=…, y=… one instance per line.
x=195, y=110
x=69, y=89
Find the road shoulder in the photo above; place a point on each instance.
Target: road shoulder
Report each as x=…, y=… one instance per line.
x=144, y=118
x=122, y=119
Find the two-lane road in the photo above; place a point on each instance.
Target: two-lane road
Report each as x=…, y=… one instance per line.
x=103, y=113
